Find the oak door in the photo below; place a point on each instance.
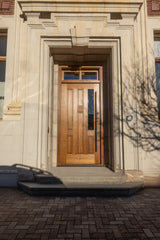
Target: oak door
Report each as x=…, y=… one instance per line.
x=79, y=125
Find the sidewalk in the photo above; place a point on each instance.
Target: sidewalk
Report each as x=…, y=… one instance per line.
x=125, y=218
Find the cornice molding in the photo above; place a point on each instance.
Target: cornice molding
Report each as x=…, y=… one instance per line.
x=74, y=6
x=36, y=23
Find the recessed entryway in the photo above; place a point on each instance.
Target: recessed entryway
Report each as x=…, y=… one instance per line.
x=70, y=68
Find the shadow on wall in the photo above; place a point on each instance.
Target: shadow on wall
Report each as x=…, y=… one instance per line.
x=140, y=109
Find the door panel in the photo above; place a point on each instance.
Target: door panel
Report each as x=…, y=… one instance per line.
x=79, y=124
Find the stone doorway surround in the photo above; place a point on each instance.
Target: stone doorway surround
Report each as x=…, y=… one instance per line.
x=69, y=24
x=51, y=120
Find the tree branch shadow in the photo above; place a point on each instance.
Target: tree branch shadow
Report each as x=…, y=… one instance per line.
x=140, y=109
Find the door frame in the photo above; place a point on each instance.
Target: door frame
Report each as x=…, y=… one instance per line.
x=47, y=132
x=100, y=73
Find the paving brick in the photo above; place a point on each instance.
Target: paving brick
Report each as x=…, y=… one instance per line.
x=148, y=233
x=46, y=218
x=77, y=236
x=85, y=233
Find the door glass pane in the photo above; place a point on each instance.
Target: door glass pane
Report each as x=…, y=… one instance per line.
x=90, y=109
x=71, y=75
x=3, y=45
x=89, y=75
x=158, y=86
x=2, y=71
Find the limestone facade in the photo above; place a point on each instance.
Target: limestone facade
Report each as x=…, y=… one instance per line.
x=40, y=34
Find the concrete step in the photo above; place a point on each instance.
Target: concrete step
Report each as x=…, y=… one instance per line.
x=44, y=178
x=89, y=175
x=123, y=189
x=94, y=180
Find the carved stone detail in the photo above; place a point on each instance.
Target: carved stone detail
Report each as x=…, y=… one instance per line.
x=80, y=38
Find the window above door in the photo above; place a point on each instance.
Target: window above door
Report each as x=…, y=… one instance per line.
x=82, y=74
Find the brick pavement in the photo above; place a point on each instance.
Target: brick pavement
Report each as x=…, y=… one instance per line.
x=125, y=218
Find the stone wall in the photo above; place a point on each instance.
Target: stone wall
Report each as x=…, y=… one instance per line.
x=153, y=7
x=6, y=7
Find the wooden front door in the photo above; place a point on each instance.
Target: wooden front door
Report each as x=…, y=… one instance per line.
x=79, y=119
